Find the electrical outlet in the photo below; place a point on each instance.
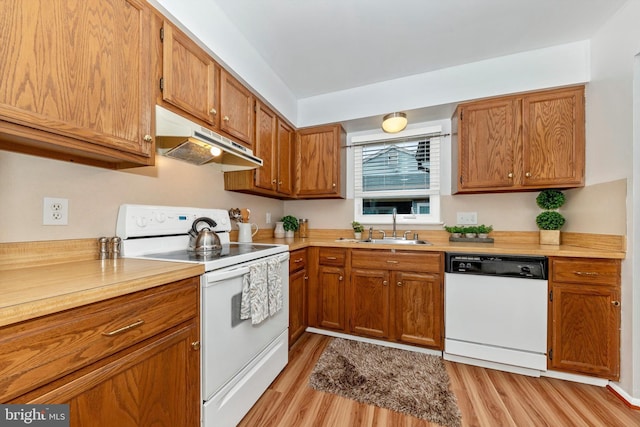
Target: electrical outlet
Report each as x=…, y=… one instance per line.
x=268, y=218
x=467, y=218
x=55, y=211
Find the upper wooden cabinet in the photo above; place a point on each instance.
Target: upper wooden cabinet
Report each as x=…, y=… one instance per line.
x=189, y=76
x=319, y=162
x=274, y=145
x=236, y=109
x=520, y=142
x=77, y=86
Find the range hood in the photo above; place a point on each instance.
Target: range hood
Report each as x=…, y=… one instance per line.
x=182, y=139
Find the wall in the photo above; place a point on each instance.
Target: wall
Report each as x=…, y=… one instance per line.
x=95, y=194
x=610, y=129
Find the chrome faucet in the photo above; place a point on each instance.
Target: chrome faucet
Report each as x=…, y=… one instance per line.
x=394, y=214
x=404, y=235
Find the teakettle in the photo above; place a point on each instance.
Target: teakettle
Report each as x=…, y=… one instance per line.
x=204, y=240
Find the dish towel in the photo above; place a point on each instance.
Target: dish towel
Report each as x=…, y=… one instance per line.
x=255, y=298
x=274, y=285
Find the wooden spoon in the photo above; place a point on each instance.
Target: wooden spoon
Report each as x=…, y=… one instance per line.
x=245, y=213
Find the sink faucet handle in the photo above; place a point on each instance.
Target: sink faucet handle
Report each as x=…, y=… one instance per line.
x=384, y=235
x=404, y=235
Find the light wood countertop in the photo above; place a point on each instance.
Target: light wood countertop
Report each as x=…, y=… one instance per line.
x=36, y=291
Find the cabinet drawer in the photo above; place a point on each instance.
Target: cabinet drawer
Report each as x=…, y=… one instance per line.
x=585, y=270
x=397, y=260
x=332, y=256
x=35, y=352
x=297, y=260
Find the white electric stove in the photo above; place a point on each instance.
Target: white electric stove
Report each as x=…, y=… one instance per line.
x=239, y=359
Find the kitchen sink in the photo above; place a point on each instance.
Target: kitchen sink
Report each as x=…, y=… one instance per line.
x=391, y=241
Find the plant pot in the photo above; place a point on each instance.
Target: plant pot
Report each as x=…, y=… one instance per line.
x=549, y=237
x=357, y=235
x=289, y=234
x=483, y=235
x=470, y=235
x=456, y=235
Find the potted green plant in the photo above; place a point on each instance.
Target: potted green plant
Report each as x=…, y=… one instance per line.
x=484, y=230
x=470, y=232
x=290, y=225
x=456, y=231
x=357, y=230
x=550, y=221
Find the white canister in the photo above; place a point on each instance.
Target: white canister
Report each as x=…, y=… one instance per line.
x=278, y=232
x=245, y=232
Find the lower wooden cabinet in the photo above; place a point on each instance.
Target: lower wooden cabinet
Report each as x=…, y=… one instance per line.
x=298, y=276
x=388, y=300
x=128, y=361
x=584, y=316
x=327, y=288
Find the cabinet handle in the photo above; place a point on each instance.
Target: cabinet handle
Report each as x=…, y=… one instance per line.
x=390, y=261
x=225, y=118
x=273, y=182
x=510, y=175
x=340, y=279
x=585, y=273
x=306, y=277
x=135, y=324
x=279, y=182
x=528, y=174
x=147, y=138
x=195, y=345
x=332, y=258
x=385, y=283
x=615, y=303
x=333, y=185
x=399, y=284
x=213, y=111
x=297, y=260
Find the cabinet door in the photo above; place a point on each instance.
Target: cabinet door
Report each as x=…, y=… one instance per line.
x=369, y=303
x=152, y=384
x=318, y=162
x=80, y=70
x=487, y=143
x=331, y=299
x=236, y=109
x=285, y=158
x=585, y=329
x=553, y=138
x=265, y=148
x=188, y=75
x=297, y=305
x=418, y=308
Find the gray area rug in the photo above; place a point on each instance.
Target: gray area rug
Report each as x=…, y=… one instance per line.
x=404, y=381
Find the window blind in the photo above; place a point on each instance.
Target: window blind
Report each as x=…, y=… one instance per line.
x=405, y=166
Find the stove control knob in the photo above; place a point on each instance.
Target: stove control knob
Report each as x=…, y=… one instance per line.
x=160, y=217
x=141, y=221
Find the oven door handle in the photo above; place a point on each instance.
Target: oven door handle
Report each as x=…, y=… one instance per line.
x=218, y=276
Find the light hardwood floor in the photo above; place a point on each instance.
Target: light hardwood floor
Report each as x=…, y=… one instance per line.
x=485, y=398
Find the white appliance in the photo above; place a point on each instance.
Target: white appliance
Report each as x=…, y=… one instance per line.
x=238, y=359
x=496, y=312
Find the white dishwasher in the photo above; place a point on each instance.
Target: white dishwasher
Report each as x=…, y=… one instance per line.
x=496, y=311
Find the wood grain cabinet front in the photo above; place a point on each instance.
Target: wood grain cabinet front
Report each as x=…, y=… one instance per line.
x=520, y=142
x=133, y=354
x=189, y=79
x=274, y=145
x=326, y=298
x=398, y=296
x=236, y=109
x=584, y=316
x=298, y=277
x=319, y=162
x=77, y=85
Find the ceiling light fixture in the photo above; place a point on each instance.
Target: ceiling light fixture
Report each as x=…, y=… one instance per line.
x=394, y=122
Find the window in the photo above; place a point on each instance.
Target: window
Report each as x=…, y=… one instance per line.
x=401, y=173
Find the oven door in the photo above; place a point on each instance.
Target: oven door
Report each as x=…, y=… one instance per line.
x=229, y=344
